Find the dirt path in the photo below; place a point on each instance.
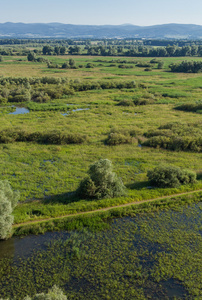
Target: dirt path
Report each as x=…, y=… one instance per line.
x=105, y=209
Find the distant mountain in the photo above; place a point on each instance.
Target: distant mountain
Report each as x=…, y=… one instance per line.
x=59, y=30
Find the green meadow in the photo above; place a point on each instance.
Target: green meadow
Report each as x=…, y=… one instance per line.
x=47, y=174
x=54, y=123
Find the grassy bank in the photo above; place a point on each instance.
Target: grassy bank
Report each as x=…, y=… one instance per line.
x=96, y=220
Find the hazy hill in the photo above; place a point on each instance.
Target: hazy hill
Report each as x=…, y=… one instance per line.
x=58, y=30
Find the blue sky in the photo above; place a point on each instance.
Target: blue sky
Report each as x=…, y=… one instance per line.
x=100, y=12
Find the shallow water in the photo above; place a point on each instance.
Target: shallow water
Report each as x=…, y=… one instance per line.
x=19, y=111
x=151, y=256
x=78, y=109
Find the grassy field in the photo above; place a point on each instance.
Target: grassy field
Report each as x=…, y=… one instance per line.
x=41, y=171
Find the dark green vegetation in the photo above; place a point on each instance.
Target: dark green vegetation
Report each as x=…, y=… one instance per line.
x=194, y=107
x=153, y=254
x=170, y=176
x=101, y=182
x=177, y=137
x=187, y=67
x=53, y=137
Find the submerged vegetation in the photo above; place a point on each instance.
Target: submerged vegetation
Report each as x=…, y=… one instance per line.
x=150, y=255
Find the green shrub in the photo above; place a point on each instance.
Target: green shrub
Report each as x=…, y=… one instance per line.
x=116, y=138
x=51, y=137
x=194, y=107
x=187, y=67
x=170, y=176
x=8, y=201
x=176, y=137
x=101, y=182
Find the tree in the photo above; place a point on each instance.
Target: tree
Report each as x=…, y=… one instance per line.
x=170, y=176
x=31, y=56
x=72, y=63
x=160, y=65
x=8, y=201
x=101, y=182
x=57, y=50
x=65, y=65
x=62, y=50
x=47, y=50
x=53, y=294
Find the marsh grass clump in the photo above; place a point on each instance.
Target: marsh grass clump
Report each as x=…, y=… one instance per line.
x=8, y=201
x=101, y=182
x=121, y=136
x=176, y=136
x=171, y=176
x=54, y=137
x=193, y=107
x=116, y=138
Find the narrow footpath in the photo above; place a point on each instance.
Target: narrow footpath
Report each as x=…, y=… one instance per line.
x=105, y=209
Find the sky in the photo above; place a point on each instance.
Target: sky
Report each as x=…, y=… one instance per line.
x=102, y=12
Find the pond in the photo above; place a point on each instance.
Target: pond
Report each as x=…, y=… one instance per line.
x=19, y=111
x=150, y=256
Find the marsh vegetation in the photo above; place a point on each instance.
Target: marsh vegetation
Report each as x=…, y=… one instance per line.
x=110, y=109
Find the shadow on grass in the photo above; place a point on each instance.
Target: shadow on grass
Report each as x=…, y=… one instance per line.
x=63, y=198
x=199, y=175
x=139, y=185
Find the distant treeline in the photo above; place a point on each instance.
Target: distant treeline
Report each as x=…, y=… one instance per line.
x=105, y=42
x=135, y=49
x=142, y=51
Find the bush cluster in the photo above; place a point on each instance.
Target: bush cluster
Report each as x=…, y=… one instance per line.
x=170, y=176
x=187, y=67
x=177, y=137
x=118, y=137
x=52, y=137
x=46, y=89
x=194, y=107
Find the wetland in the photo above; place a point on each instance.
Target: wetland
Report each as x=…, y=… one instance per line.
x=56, y=122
